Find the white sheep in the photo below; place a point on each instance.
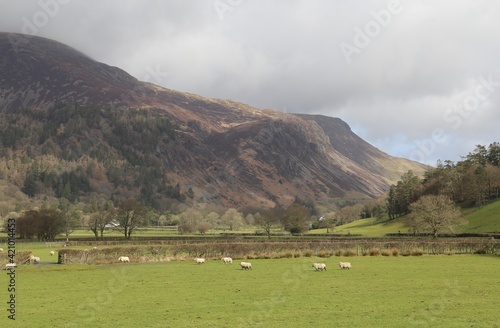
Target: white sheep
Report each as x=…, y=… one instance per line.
x=10, y=266
x=227, y=260
x=319, y=266
x=246, y=265
x=199, y=260
x=52, y=253
x=1, y=250
x=36, y=259
x=345, y=265
x=124, y=259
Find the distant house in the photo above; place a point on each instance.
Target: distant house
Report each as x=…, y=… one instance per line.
x=112, y=224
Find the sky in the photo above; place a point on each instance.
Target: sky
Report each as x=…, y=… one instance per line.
x=416, y=79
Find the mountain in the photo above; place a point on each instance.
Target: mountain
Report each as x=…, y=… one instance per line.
x=118, y=137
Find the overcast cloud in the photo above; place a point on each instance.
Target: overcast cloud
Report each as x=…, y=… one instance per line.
x=417, y=79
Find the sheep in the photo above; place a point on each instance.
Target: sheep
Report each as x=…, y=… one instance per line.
x=52, y=253
x=34, y=259
x=199, y=260
x=227, y=260
x=124, y=259
x=1, y=250
x=319, y=266
x=10, y=266
x=246, y=265
x=345, y=265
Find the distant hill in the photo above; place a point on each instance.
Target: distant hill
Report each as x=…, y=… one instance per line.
x=73, y=127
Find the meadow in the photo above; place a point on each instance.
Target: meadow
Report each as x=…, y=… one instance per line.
x=379, y=291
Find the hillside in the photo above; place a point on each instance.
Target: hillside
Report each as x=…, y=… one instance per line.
x=72, y=127
x=484, y=219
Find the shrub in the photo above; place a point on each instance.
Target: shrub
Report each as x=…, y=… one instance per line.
x=287, y=255
x=297, y=254
x=394, y=251
x=350, y=252
x=339, y=252
x=308, y=253
x=374, y=251
x=481, y=251
x=324, y=253
x=417, y=252
x=386, y=252
x=406, y=252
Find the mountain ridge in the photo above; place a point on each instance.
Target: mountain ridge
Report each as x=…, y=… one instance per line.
x=227, y=152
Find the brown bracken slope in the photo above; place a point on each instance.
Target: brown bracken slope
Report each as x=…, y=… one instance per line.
x=229, y=153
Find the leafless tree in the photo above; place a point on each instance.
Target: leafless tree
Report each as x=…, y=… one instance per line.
x=435, y=213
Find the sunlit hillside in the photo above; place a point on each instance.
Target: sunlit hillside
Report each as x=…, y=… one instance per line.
x=484, y=219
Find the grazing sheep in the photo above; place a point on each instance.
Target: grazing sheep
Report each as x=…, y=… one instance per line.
x=52, y=253
x=10, y=266
x=124, y=259
x=34, y=259
x=345, y=265
x=1, y=250
x=227, y=260
x=94, y=247
x=246, y=265
x=199, y=260
x=319, y=266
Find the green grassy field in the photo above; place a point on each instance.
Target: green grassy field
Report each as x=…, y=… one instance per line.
x=484, y=219
x=425, y=291
x=369, y=227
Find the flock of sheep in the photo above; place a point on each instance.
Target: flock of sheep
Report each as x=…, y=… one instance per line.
x=248, y=265
x=199, y=260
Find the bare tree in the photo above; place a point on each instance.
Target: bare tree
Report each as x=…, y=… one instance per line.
x=296, y=218
x=130, y=215
x=104, y=215
x=189, y=220
x=232, y=218
x=71, y=216
x=435, y=214
x=268, y=219
x=351, y=213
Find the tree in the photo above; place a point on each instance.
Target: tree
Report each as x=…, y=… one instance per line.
x=71, y=216
x=435, y=214
x=296, y=218
x=130, y=215
x=268, y=219
x=402, y=195
x=104, y=215
x=26, y=224
x=189, y=220
x=350, y=213
x=50, y=224
x=30, y=186
x=232, y=218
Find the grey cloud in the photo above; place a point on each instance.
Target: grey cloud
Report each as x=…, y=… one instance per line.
x=287, y=55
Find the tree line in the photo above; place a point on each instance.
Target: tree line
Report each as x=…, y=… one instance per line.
x=473, y=181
